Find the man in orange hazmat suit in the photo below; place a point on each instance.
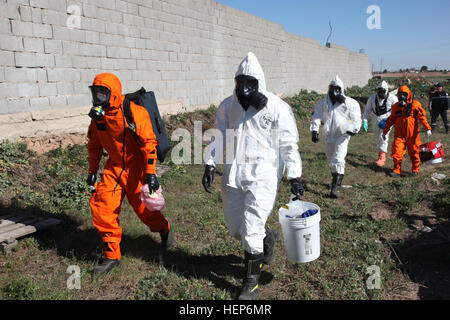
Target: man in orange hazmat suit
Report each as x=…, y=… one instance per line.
x=131, y=164
x=405, y=116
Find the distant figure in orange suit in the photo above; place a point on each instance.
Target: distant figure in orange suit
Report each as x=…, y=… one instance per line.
x=406, y=115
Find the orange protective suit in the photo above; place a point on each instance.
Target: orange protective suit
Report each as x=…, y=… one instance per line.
x=131, y=157
x=407, y=130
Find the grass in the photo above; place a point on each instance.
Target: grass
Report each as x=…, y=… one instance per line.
x=205, y=262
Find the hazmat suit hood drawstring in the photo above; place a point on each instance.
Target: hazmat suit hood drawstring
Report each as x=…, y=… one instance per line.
x=250, y=66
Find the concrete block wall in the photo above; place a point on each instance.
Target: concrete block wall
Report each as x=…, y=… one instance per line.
x=187, y=51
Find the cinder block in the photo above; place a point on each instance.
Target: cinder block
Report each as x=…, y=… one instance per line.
x=133, y=9
x=58, y=5
x=39, y=4
x=58, y=102
x=53, y=46
x=20, y=75
x=64, y=88
x=79, y=100
x=92, y=50
x=36, y=15
x=18, y=105
x=18, y=2
x=92, y=37
x=71, y=48
x=8, y=89
x=41, y=103
x=48, y=89
x=42, y=30
x=27, y=90
x=5, y=27
x=65, y=74
x=25, y=13
x=121, y=6
x=26, y=59
x=7, y=58
x=10, y=11
x=33, y=45
x=54, y=17
x=41, y=75
x=80, y=62
x=3, y=106
x=98, y=25
x=20, y=28
x=11, y=43
x=118, y=52
x=63, y=61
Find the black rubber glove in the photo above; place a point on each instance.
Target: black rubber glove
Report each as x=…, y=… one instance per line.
x=91, y=179
x=297, y=188
x=152, y=182
x=315, y=136
x=208, y=177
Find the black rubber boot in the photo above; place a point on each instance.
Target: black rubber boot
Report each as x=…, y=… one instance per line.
x=166, y=243
x=394, y=174
x=253, y=265
x=269, y=245
x=105, y=266
x=336, y=184
x=167, y=239
x=447, y=128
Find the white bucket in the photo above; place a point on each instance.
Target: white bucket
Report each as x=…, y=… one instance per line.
x=301, y=235
x=434, y=161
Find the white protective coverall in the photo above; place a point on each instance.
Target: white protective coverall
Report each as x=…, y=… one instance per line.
x=337, y=119
x=265, y=143
x=374, y=105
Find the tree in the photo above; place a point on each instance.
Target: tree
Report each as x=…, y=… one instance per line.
x=385, y=71
x=424, y=69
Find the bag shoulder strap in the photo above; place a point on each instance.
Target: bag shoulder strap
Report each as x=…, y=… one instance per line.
x=137, y=99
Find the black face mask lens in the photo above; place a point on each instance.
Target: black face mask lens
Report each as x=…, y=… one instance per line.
x=381, y=93
x=100, y=95
x=402, y=96
x=246, y=90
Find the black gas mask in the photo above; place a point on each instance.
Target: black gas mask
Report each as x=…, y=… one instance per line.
x=100, y=100
x=335, y=94
x=248, y=94
x=381, y=93
x=402, y=98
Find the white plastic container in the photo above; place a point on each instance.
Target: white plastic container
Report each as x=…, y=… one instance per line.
x=301, y=235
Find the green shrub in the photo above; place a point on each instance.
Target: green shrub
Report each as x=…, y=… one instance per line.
x=20, y=289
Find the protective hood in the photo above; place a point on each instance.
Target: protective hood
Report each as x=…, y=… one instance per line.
x=383, y=84
x=110, y=81
x=338, y=82
x=250, y=67
x=406, y=89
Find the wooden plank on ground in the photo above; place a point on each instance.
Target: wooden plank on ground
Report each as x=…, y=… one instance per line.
x=25, y=229
x=12, y=226
x=10, y=219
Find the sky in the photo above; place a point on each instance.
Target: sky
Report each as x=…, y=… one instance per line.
x=412, y=34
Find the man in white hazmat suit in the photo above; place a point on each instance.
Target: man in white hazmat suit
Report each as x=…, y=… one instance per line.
x=380, y=104
x=341, y=117
x=264, y=144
